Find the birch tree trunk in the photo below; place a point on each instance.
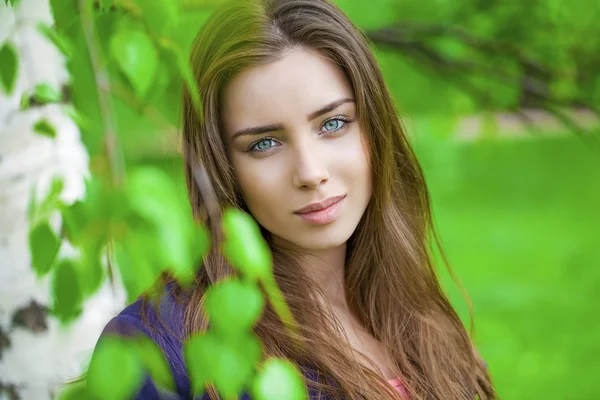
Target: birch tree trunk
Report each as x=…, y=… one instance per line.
x=36, y=354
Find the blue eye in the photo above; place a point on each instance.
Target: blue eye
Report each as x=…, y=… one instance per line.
x=262, y=145
x=333, y=125
x=336, y=124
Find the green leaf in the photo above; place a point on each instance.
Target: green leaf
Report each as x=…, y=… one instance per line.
x=25, y=101
x=136, y=259
x=199, y=352
x=9, y=64
x=115, y=371
x=66, y=291
x=74, y=219
x=65, y=13
x=90, y=236
x=45, y=93
x=60, y=41
x=43, y=247
x=91, y=272
x=52, y=200
x=227, y=364
x=279, y=379
x=153, y=196
x=136, y=56
x=247, y=350
x=43, y=127
x=233, y=306
x=154, y=362
x=244, y=246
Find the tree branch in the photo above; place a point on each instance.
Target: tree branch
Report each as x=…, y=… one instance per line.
x=414, y=38
x=113, y=151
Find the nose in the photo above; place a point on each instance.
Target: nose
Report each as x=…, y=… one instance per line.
x=310, y=167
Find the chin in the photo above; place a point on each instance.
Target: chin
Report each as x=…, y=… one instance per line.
x=323, y=239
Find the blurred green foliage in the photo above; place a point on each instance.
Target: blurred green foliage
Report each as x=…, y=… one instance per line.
x=519, y=221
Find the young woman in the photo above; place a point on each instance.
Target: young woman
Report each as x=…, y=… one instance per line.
x=300, y=131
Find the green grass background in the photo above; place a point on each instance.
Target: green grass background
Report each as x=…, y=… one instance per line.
x=520, y=222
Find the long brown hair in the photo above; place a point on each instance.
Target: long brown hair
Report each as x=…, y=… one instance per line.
x=391, y=283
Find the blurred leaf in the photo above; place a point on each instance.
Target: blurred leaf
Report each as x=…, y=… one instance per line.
x=65, y=12
x=91, y=272
x=90, y=236
x=136, y=259
x=25, y=101
x=227, y=364
x=43, y=246
x=51, y=202
x=66, y=290
x=199, y=352
x=233, y=306
x=43, y=127
x=279, y=379
x=154, y=362
x=153, y=195
x=135, y=53
x=244, y=246
x=60, y=41
x=9, y=64
x=45, y=93
x=115, y=371
x=74, y=218
x=247, y=350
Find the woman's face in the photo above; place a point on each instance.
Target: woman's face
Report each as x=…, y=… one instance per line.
x=293, y=137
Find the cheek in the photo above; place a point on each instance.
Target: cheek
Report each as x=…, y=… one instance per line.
x=355, y=163
x=260, y=185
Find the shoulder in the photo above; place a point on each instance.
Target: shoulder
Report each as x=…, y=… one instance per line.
x=162, y=321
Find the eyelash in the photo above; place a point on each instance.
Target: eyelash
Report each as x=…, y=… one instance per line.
x=346, y=121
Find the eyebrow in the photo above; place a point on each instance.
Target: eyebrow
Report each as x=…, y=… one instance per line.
x=270, y=128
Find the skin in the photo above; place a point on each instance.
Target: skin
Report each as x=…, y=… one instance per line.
x=302, y=161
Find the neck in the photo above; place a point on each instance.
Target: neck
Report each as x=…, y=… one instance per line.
x=326, y=268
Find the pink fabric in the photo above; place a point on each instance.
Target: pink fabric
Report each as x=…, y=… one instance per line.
x=397, y=384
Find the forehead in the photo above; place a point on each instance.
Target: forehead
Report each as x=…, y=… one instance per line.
x=286, y=90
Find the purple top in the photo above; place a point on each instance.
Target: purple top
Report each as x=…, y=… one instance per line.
x=129, y=322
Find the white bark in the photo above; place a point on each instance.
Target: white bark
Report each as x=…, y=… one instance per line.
x=33, y=364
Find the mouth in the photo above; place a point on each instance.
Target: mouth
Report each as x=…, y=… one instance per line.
x=322, y=212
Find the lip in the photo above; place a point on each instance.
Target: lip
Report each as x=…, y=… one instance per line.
x=320, y=205
x=323, y=212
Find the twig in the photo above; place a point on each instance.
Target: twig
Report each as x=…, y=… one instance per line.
x=403, y=37
x=115, y=157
